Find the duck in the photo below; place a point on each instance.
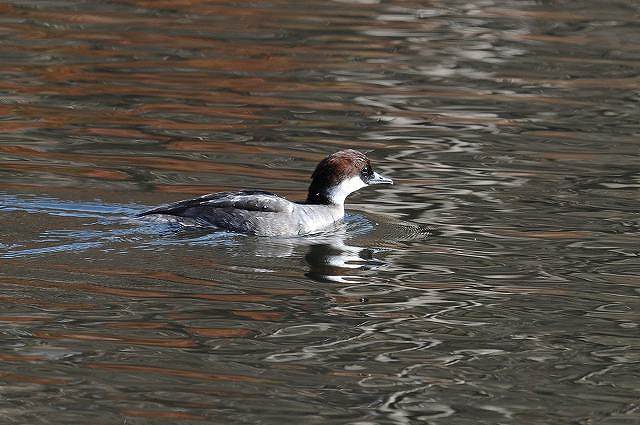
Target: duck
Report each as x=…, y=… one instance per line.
x=262, y=213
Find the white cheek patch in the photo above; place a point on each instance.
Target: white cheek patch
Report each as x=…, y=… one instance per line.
x=339, y=193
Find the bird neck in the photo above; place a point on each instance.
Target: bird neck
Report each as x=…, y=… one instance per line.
x=322, y=197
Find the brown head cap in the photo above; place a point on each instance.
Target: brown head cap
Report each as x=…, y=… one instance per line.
x=334, y=169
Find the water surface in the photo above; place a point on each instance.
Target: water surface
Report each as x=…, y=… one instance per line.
x=495, y=282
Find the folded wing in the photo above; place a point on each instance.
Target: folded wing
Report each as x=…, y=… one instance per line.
x=238, y=211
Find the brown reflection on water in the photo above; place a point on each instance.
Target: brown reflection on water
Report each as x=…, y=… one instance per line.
x=29, y=379
x=134, y=292
x=102, y=73
x=155, y=414
x=153, y=163
x=62, y=306
x=112, y=338
x=220, y=332
x=165, y=276
x=182, y=373
x=20, y=358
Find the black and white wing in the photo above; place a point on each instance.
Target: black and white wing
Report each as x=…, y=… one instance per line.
x=238, y=211
x=247, y=200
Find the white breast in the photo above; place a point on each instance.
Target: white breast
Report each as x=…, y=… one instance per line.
x=314, y=218
x=339, y=193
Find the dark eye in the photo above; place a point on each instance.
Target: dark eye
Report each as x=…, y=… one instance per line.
x=366, y=173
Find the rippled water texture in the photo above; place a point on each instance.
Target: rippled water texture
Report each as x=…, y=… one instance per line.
x=497, y=282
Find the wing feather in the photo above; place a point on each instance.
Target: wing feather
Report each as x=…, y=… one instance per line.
x=242, y=202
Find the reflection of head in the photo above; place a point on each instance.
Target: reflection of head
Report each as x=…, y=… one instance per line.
x=338, y=262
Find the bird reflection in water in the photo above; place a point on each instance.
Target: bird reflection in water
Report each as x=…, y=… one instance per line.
x=331, y=256
x=339, y=262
